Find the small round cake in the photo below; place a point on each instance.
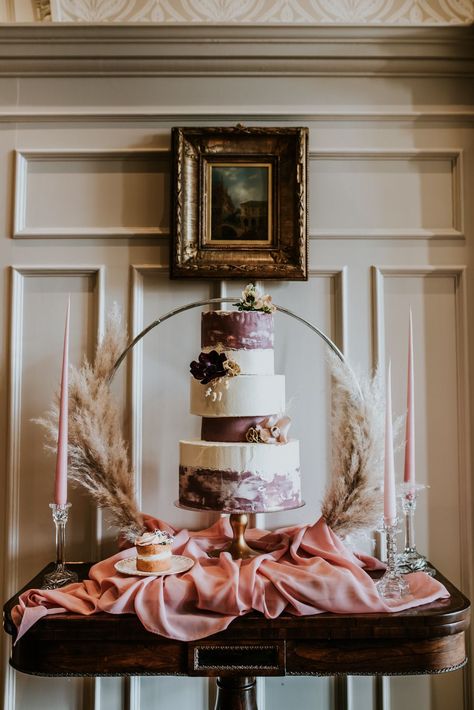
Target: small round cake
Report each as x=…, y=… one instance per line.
x=154, y=551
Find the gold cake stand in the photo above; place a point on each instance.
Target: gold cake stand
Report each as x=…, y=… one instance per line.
x=238, y=546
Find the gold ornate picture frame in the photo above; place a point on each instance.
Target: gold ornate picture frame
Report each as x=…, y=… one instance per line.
x=239, y=203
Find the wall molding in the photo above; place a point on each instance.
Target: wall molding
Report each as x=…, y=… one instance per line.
x=24, y=158
x=138, y=273
x=339, y=275
x=235, y=50
x=12, y=498
x=239, y=114
x=135, y=396
x=292, y=12
x=455, y=158
x=458, y=274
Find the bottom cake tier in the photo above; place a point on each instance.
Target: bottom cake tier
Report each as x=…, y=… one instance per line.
x=239, y=477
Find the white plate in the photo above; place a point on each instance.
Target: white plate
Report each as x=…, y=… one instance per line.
x=179, y=564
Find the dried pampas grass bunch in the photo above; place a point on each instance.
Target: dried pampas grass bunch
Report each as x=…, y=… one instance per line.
x=353, y=499
x=98, y=454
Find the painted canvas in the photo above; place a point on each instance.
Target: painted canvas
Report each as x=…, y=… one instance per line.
x=240, y=207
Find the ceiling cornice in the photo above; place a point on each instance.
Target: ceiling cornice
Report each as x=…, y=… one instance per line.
x=234, y=50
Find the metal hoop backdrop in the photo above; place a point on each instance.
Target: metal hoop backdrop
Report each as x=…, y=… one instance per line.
x=207, y=302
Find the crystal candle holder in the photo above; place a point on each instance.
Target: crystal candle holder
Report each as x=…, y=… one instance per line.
x=410, y=560
x=392, y=586
x=60, y=575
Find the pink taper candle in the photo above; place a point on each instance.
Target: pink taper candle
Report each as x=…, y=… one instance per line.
x=60, y=486
x=389, y=498
x=409, y=471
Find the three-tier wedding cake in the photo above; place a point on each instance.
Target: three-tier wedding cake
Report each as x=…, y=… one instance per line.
x=244, y=461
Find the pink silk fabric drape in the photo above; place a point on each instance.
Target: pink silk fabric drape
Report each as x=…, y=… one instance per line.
x=302, y=570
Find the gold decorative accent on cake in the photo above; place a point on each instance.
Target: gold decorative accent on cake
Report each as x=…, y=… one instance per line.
x=231, y=367
x=272, y=430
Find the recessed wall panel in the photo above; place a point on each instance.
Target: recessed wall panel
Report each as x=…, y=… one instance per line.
x=436, y=361
x=300, y=355
x=387, y=193
x=436, y=299
x=45, y=299
x=39, y=302
x=97, y=193
x=167, y=351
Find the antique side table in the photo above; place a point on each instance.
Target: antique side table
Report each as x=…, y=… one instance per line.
x=428, y=639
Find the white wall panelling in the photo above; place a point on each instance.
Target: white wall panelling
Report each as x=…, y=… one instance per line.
x=16, y=458
x=18, y=276
x=437, y=293
x=389, y=172
x=114, y=187
x=132, y=694
x=355, y=182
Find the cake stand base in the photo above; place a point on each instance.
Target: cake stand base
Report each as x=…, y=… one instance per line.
x=238, y=547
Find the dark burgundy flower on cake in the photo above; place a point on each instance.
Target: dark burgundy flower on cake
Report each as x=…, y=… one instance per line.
x=209, y=366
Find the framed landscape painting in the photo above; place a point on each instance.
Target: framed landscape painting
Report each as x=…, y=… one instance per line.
x=239, y=203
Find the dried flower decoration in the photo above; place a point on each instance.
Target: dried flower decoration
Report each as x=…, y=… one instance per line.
x=254, y=300
x=353, y=500
x=231, y=368
x=98, y=455
x=214, y=368
x=272, y=430
x=209, y=366
x=253, y=436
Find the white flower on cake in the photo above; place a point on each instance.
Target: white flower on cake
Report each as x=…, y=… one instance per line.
x=254, y=300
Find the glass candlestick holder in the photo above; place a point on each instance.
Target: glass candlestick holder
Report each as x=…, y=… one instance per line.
x=392, y=586
x=60, y=575
x=410, y=560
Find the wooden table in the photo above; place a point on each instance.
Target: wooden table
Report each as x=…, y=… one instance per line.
x=429, y=639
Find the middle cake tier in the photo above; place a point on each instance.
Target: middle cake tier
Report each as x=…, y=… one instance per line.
x=242, y=396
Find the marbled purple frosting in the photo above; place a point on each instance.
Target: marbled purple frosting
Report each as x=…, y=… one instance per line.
x=232, y=491
x=239, y=330
x=227, y=428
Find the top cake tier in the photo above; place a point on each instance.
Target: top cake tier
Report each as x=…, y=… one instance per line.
x=247, y=337
x=237, y=330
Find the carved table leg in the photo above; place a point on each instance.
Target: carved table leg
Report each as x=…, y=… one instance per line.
x=236, y=693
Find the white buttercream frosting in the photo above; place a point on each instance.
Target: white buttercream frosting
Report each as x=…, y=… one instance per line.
x=251, y=362
x=158, y=537
x=263, y=459
x=160, y=556
x=241, y=396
